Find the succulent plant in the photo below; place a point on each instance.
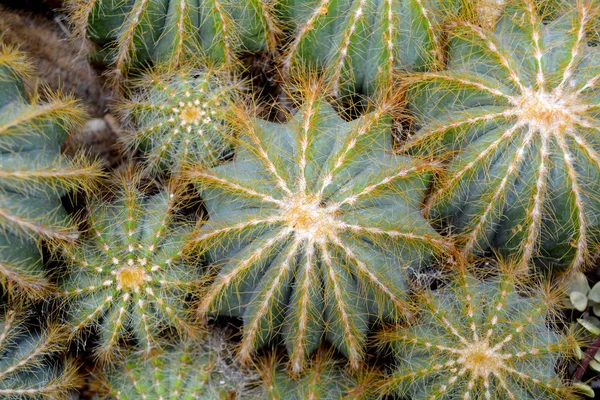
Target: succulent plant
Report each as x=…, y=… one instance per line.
x=323, y=379
x=29, y=366
x=361, y=44
x=135, y=32
x=33, y=174
x=179, y=117
x=515, y=116
x=129, y=278
x=312, y=229
x=483, y=339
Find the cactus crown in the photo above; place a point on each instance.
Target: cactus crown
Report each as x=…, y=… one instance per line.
x=516, y=110
x=179, y=117
x=27, y=370
x=480, y=340
x=33, y=174
x=134, y=32
x=129, y=278
x=313, y=226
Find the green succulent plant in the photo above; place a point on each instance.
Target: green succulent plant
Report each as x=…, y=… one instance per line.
x=136, y=32
x=33, y=174
x=179, y=116
x=323, y=379
x=312, y=229
x=483, y=339
x=515, y=116
x=29, y=365
x=129, y=278
x=362, y=44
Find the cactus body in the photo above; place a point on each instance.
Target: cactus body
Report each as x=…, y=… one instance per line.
x=313, y=227
x=179, y=117
x=33, y=175
x=135, y=32
x=516, y=115
x=361, y=44
x=481, y=340
x=28, y=370
x=128, y=279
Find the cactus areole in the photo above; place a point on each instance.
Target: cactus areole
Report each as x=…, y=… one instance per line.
x=313, y=226
x=516, y=115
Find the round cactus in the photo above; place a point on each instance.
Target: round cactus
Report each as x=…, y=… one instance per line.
x=179, y=117
x=29, y=368
x=480, y=340
x=515, y=114
x=129, y=278
x=312, y=228
x=360, y=44
x=135, y=32
x=33, y=175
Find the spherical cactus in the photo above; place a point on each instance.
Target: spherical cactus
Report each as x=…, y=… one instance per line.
x=129, y=278
x=179, y=117
x=135, y=32
x=312, y=229
x=33, y=175
x=361, y=44
x=29, y=366
x=324, y=379
x=480, y=340
x=515, y=114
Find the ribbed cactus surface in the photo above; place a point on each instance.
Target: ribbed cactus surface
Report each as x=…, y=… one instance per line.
x=361, y=44
x=312, y=229
x=135, y=32
x=516, y=116
x=33, y=175
x=129, y=278
x=29, y=365
x=482, y=340
x=179, y=117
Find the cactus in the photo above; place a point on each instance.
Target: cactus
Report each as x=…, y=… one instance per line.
x=179, y=117
x=33, y=175
x=135, y=32
x=324, y=379
x=481, y=340
x=515, y=115
x=361, y=44
x=28, y=366
x=130, y=278
x=312, y=229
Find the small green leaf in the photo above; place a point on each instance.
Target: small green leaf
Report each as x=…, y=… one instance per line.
x=596, y=309
x=579, y=301
x=584, y=389
x=595, y=365
x=579, y=283
x=597, y=356
x=591, y=327
x=594, y=294
x=578, y=353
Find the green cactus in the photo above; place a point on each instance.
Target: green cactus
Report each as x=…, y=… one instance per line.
x=312, y=229
x=323, y=379
x=362, y=44
x=480, y=340
x=29, y=369
x=515, y=116
x=179, y=117
x=33, y=175
x=129, y=278
x=135, y=32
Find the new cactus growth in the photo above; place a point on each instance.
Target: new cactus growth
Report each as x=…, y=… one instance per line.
x=135, y=32
x=482, y=340
x=515, y=114
x=312, y=228
x=129, y=278
x=33, y=175
x=179, y=117
x=360, y=44
x=29, y=367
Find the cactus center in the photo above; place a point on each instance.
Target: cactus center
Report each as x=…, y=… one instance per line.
x=545, y=111
x=191, y=114
x=481, y=359
x=305, y=214
x=131, y=277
